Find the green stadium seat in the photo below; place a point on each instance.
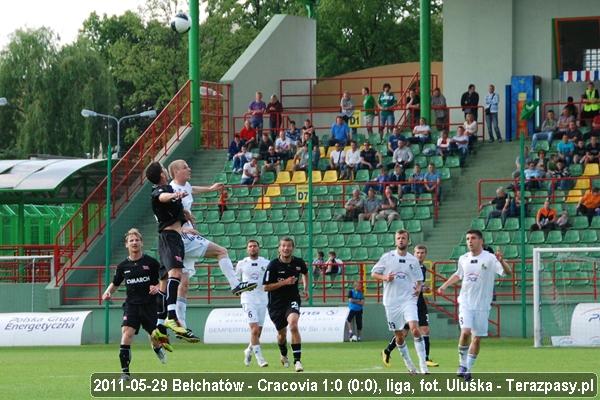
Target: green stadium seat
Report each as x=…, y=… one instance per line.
x=448, y=269
x=241, y=191
x=353, y=240
x=572, y=236
x=275, y=215
x=380, y=226
x=422, y=212
x=288, y=190
x=324, y=215
x=554, y=237
x=438, y=161
x=267, y=178
x=488, y=238
x=360, y=254
x=589, y=236
x=238, y=242
x=301, y=241
x=270, y=242
x=595, y=222
x=413, y=226
x=452, y=162
x=362, y=175
x=334, y=190
x=351, y=270
x=478, y=223
x=580, y=222
x=407, y=213
x=216, y=229
x=228, y=217
x=458, y=251
x=536, y=237
x=319, y=190
x=369, y=240
x=386, y=240
x=501, y=238
x=233, y=229
x=211, y=217
x=416, y=149
x=259, y=216
x=244, y=216
x=511, y=251
x=281, y=229
x=396, y=225
x=202, y=228
x=421, y=161
x=580, y=279
x=220, y=177
x=373, y=253
x=278, y=202
x=445, y=173
x=336, y=241
x=346, y=227
x=408, y=200
x=297, y=228
x=576, y=169
x=363, y=227
x=343, y=253
x=495, y=224
x=316, y=226
x=292, y=215
x=511, y=224
x=249, y=229
x=320, y=242
x=327, y=201
x=425, y=199
x=330, y=228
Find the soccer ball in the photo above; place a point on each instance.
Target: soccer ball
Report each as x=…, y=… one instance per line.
x=353, y=338
x=181, y=23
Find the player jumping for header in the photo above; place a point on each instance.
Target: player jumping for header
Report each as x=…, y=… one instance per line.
x=477, y=269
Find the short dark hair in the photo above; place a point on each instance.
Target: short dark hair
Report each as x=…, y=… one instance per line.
x=402, y=232
x=320, y=254
x=331, y=252
x=153, y=172
x=387, y=85
x=475, y=232
x=253, y=241
x=287, y=239
x=366, y=89
x=421, y=247
x=471, y=86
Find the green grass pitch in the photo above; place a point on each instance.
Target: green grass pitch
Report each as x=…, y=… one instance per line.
x=64, y=372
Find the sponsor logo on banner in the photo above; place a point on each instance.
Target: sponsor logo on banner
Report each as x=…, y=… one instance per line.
x=42, y=329
x=585, y=325
x=317, y=325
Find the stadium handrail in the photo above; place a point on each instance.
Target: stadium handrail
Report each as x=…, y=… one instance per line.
x=43, y=273
x=557, y=107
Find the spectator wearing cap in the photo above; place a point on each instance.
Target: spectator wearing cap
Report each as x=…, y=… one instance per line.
x=403, y=155
x=340, y=133
x=370, y=158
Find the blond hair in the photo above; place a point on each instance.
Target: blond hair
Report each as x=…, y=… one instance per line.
x=175, y=166
x=133, y=232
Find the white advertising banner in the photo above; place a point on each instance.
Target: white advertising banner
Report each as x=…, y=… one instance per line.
x=317, y=325
x=585, y=327
x=42, y=329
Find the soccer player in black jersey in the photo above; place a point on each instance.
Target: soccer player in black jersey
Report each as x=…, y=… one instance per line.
x=140, y=273
x=281, y=282
x=423, y=314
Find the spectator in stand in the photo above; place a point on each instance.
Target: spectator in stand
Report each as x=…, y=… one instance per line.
x=566, y=149
x=403, y=155
x=234, y=147
x=421, y=132
x=337, y=159
x=563, y=221
x=256, y=109
x=301, y=158
x=532, y=174
x=392, y=144
x=573, y=133
x=340, y=133
x=491, y=102
x=502, y=204
x=386, y=102
x=378, y=182
x=591, y=151
x=589, y=204
x=580, y=152
x=460, y=144
x=397, y=175
x=283, y=147
x=264, y=144
x=469, y=101
x=354, y=206
x=443, y=145
x=591, y=103
x=307, y=127
x=316, y=152
x=433, y=182
x=389, y=205
x=470, y=126
x=318, y=265
x=370, y=158
x=549, y=128
x=347, y=107
x=368, y=110
x=248, y=135
x=275, y=108
x=250, y=174
x=333, y=266
x=413, y=104
x=293, y=134
x=545, y=219
x=563, y=123
x=241, y=158
x=558, y=173
x=272, y=161
x=541, y=160
x=223, y=197
x=595, y=132
x=352, y=160
x=372, y=205
x=572, y=107
x=438, y=106
x=416, y=180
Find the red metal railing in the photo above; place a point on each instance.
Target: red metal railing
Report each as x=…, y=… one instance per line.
x=214, y=114
x=557, y=107
x=155, y=143
x=14, y=271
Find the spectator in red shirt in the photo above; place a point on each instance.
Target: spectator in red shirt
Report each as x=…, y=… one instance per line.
x=248, y=135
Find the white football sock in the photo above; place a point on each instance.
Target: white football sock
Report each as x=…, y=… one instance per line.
x=420, y=348
x=462, y=355
x=181, y=306
x=227, y=269
x=471, y=358
x=403, y=348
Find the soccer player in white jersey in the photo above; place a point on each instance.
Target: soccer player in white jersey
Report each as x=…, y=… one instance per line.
x=252, y=269
x=196, y=246
x=402, y=279
x=477, y=269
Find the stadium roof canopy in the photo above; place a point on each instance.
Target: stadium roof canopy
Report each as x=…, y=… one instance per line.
x=49, y=181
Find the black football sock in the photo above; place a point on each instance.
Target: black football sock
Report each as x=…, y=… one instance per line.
x=172, y=286
x=426, y=339
x=391, y=345
x=297, y=351
x=161, y=308
x=283, y=348
x=125, y=357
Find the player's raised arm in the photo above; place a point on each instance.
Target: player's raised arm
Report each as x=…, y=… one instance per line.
x=203, y=189
x=451, y=281
x=109, y=291
x=505, y=267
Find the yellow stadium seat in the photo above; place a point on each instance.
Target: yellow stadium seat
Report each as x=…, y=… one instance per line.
x=299, y=177
x=347, y=149
x=316, y=176
x=273, y=191
x=290, y=165
x=283, y=177
x=330, y=176
x=582, y=184
x=591, y=169
x=263, y=203
x=329, y=150
x=573, y=196
x=322, y=152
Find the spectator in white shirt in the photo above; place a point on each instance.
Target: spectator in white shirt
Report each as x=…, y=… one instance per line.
x=241, y=158
x=337, y=159
x=352, y=161
x=470, y=126
x=283, y=147
x=250, y=174
x=460, y=144
x=443, y=144
x=403, y=155
x=491, y=113
x=421, y=132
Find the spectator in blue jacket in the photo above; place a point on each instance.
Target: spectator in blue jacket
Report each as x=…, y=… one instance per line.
x=340, y=133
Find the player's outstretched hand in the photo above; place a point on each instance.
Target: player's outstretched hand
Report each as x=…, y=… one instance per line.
x=499, y=255
x=217, y=186
x=154, y=289
x=290, y=280
x=106, y=295
x=440, y=290
x=390, y=277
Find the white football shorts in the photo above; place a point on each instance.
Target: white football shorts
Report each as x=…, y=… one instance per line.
x=398, y=316
x=255, y=313
x=195, y=248
x=476, y=320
